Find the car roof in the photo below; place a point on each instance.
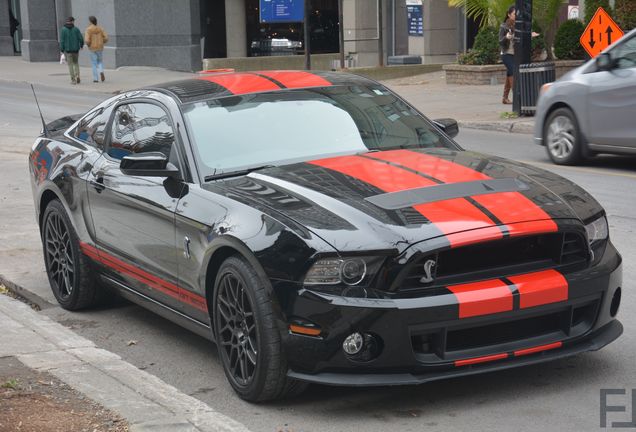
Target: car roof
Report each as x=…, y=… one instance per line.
x=215, y=85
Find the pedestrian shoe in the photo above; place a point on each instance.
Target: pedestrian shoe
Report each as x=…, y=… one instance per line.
x=101, y=75
x=506, y=101
x=95, y=81
x=78, y=80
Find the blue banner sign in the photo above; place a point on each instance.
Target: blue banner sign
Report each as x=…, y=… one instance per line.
x=281, y=11
x=415, y=19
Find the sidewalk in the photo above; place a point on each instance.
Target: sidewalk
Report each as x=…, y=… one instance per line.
x=475, y=107
x=53, y=74
x=141, y=399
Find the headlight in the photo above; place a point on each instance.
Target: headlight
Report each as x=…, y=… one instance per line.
x=597, y=230
x=347, y=271
x=544, y=88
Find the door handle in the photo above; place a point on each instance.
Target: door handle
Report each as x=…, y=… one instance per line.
x=98, y=184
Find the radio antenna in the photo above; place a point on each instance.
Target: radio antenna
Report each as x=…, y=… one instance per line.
x=44, y=129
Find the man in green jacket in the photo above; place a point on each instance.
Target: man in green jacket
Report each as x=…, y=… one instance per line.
x=71, y=42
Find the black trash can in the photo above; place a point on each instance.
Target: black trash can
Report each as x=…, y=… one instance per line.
x=531, y=77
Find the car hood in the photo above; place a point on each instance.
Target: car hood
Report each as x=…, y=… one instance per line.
x=395, y=199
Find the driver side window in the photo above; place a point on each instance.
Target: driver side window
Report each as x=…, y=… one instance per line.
x=140, y=128
x=625, y=54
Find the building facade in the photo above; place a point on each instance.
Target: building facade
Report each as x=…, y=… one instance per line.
x=179, y=34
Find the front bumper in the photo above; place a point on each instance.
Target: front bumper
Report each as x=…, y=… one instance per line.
x=427, y=338
x=594, y=342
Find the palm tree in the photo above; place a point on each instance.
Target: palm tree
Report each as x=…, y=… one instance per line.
x=492, y=13
x=544, y=13
x=485, y=12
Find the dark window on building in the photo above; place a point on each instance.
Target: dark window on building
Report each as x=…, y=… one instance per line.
x=288, y=38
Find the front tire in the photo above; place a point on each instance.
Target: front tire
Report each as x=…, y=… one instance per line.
x=563, y=139
x=247, y=337
x=68, y=270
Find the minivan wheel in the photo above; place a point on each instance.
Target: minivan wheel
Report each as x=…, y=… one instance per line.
x=247, y=336
x=563, y=138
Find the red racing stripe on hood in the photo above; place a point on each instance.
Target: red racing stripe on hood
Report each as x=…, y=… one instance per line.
x=451, y=216
x=296, y=79
x=242, y=83
x=508, y=207
x=539, y=288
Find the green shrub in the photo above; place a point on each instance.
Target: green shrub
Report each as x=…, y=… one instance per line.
x=625, y=14
x=485, y=49
x=566, y=42
x=538, y=43
x=592, y=5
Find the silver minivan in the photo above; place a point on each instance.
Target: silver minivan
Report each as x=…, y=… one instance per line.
x=591, y=109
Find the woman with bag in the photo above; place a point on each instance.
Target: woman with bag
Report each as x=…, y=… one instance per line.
x=96, y=38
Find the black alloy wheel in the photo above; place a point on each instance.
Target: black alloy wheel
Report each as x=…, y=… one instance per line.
x=238, y=337
x=60, y=258
x=247, y=330
x=68, y=270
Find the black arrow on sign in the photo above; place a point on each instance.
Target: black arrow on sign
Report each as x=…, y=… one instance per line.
x=592, y=43
x=609, y=32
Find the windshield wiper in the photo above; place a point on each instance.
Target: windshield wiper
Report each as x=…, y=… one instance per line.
x=236, y=173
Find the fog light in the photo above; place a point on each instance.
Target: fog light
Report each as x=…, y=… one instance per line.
x=352, y=345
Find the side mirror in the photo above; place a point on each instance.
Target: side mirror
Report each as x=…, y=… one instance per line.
x=604, y=62
x=151, y=164
x=448, y=125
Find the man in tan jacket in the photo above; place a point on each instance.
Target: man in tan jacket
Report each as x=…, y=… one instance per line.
x=95, y=37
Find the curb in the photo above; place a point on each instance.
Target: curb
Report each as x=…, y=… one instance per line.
x=145, y=401
x=24, y=293
x=521, y=127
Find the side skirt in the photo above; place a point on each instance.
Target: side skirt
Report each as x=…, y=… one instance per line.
x=202, y=329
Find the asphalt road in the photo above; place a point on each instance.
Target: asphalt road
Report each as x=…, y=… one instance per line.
x=561, y=395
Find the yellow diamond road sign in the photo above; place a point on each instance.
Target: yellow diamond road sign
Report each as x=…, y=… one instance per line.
x=600, y=33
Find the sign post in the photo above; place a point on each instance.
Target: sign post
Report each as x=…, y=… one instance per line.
x=600, y=33
x=307, y=34
x=523, y=46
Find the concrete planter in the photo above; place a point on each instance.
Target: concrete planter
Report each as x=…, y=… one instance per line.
x=494, y=74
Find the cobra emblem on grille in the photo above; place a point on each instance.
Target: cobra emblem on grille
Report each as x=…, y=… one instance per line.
x=428, y=271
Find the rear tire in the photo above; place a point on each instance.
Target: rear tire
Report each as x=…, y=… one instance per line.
x=562, y=137
x=247, y=337
x=68, y=270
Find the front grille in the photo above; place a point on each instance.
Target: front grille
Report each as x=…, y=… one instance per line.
x=563, y=251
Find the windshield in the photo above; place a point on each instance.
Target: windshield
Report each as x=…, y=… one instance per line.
x=240, y=132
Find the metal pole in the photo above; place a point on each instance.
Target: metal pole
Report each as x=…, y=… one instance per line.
x=341, y=32
x=523, y=46
x=307, y=35
x=380, y=36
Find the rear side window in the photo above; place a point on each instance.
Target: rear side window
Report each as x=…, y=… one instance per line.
x=140, y=128
x=92, y=128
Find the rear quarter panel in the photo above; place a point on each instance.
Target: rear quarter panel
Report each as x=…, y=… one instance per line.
x=58, y=168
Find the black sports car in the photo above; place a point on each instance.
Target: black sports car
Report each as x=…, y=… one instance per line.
x=320, y=229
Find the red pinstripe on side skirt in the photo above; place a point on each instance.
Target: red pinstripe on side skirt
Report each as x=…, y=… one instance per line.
x=146, y=278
